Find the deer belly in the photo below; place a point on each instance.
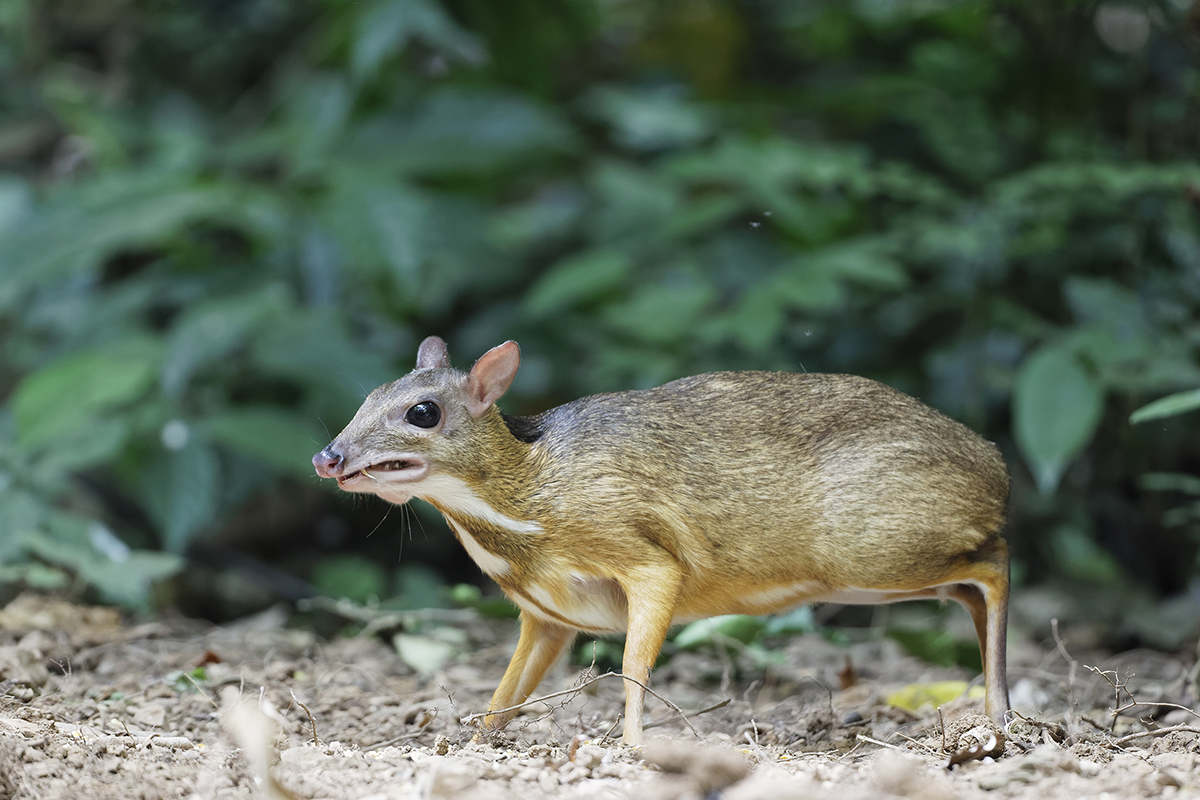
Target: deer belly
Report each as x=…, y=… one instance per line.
x=577, y=601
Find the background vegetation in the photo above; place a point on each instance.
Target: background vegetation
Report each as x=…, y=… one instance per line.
x=222, y=222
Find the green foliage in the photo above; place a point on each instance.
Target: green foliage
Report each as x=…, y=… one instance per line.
x=729, y=628
x=351, y=577
x=211, y=245
x=1169, y=406
x=939, y=647
x=1056, y=408
x=467, y=595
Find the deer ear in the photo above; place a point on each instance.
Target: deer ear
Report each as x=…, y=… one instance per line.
x=491, y=376
x=432, y=354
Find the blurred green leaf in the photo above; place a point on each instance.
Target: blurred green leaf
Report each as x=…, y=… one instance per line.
x=1078, y=556
x=98, y=442
x=1056, y=408
x=1171, y=482
x=649, y=119
x=424, y=654
x=379, y=223
x=467, y=595
x=320, y=108
x=121, y=210
x=552, y=214
x=209, y=331
x=420, y=586
x=36, y=575
x=385, y=28
x=350, y=576
x=70, y=393
x=662, y=313
x=315, y=349
x=1169, y=406
x=578, y=279
x=713, y=630
x=458, y=131
x=798, y=620
x=181, y=489
x=271, y=435
x=939, y=647
x=126, y=581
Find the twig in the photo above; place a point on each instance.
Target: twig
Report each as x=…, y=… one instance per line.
x=828, y=690
x=864, y=738
x=1134, y=703
x=921, y=745
x=1072, y=668
x=1118, y=687
x=200, y=689
x=608, y=733
x=1143, y=734
x=849, y=752
x=394, y=740
x=467, y=720
x=694, y=714
x=311, y=721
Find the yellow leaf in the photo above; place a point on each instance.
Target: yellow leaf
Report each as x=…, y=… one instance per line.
x=938, y=693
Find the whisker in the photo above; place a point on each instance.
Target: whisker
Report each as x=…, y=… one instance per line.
x=417, y=517
x=405, y=522
x=377, y=524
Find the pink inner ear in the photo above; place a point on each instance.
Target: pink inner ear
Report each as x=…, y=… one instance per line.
x=432, y=354
x=491, y=376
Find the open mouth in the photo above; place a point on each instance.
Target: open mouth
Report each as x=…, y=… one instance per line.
x=399, y=465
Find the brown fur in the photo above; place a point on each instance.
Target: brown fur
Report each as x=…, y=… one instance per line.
x=732, y=492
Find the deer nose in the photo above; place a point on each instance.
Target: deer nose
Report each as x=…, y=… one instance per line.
x=328, y=462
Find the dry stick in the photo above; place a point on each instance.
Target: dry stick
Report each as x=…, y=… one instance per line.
x=1133, y=703
x=394, y=740
x=1173, y=729
x=921, y=745
x=1073, y=666
x=864, y=738
x=467, y=720
x=311, y=721
x=693, y=715
x=1118, y=687
x=202, y=692
x=608, y=732
x=823, y=686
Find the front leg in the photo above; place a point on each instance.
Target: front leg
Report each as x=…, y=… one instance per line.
x=652, y=592
x=538, y=647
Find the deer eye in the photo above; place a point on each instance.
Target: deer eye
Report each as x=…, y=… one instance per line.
x=424, y=415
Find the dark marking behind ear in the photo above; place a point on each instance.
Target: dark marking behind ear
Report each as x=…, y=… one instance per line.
x=524, y=429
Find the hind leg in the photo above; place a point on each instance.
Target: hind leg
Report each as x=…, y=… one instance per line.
x=986, y=598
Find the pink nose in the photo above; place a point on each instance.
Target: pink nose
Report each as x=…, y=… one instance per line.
x=328, y=463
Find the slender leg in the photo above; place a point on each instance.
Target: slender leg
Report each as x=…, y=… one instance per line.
x=538, y=647
x=971, y=598
x=996, y=660
x=652, y=593
x=988, y=604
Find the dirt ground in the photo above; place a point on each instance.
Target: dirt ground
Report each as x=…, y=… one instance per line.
x=94, y=707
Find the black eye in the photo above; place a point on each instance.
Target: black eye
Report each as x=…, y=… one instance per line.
x=424, y=415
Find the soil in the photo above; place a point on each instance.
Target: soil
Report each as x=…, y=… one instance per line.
x=96, y=707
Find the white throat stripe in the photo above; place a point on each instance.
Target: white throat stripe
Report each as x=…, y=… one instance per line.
x=457, y=496
x=489, y=562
